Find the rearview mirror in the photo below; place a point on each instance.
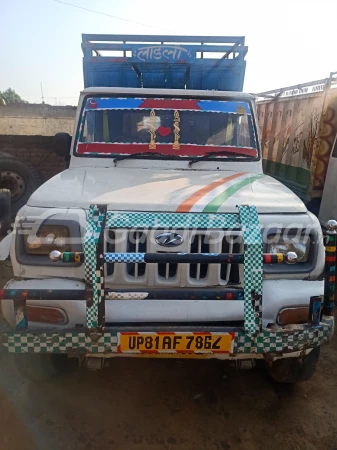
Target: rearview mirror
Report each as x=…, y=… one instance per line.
x=62, y=144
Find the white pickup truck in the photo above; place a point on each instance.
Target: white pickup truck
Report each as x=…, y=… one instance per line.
x=165, y=238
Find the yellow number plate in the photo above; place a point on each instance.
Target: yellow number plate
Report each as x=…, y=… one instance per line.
x=166, y=342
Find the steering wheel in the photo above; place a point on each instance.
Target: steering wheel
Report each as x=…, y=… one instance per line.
x=131, y=138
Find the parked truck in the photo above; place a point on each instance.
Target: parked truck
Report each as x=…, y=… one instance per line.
x=28, y=154
x=164, y=238
x=298, y=130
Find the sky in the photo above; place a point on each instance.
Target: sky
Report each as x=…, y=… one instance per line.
x=289, y=41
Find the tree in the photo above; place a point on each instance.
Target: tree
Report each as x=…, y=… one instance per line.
x=9, y=97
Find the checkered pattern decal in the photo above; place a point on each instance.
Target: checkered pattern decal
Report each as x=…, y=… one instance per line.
x=92, y=277
x=77, y=342
x=285, y=340
x=171, y=220
x=52, y=342
x=124, y=257
x=253, y=268
x=126, y=295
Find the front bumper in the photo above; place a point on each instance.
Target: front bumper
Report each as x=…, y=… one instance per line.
x=75, y=339
x=281, y=342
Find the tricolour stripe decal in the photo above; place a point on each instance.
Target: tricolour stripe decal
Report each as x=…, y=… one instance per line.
x=215, y=204
x=199, y=206
x=188, y=204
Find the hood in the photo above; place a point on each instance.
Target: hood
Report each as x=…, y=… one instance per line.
x=126, y=189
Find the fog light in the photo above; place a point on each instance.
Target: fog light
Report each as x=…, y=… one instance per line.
x=290, y=316
x=46, y=315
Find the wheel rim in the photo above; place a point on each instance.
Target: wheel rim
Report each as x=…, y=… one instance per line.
x=14, y=182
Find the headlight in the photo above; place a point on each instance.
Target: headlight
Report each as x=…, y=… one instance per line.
x=47, y=238
x=34, y=240
x=283, y=244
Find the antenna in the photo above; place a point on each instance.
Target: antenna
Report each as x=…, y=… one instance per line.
x=42, y=97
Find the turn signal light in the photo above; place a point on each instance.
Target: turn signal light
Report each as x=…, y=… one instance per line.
x=290, y=316
x=46, y=315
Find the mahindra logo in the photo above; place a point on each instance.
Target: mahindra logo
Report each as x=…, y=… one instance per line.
x=169, y=239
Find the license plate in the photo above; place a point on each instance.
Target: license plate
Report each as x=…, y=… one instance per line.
x=165, y=342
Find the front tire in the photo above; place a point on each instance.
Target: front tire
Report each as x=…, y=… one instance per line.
x=294, y=370
x=5, y=210
x=20, y=178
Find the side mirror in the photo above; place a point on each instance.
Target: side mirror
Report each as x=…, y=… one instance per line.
x=62, y=144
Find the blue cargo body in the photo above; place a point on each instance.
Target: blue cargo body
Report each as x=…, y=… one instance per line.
x=164, y=62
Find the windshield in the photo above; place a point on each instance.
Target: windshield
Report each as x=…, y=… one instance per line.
x=174, y=127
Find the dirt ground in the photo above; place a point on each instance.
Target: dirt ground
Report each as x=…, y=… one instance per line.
x=168, y=404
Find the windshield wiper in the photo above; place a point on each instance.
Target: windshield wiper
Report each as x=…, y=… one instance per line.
x=219, y=153
x=191, y=161
x=135, y=155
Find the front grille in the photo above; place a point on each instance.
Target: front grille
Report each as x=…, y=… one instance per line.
x=199, y=244
x=136, y=244
x=167, y=271
x=174, y=275
x=230, y=273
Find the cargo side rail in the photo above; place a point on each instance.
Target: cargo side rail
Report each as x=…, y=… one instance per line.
x=162, y=61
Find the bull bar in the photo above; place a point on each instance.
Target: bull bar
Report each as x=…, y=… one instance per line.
x=251, y=339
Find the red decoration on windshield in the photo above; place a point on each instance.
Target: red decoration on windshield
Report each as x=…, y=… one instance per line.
x=164, y=131
x=165, y=149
